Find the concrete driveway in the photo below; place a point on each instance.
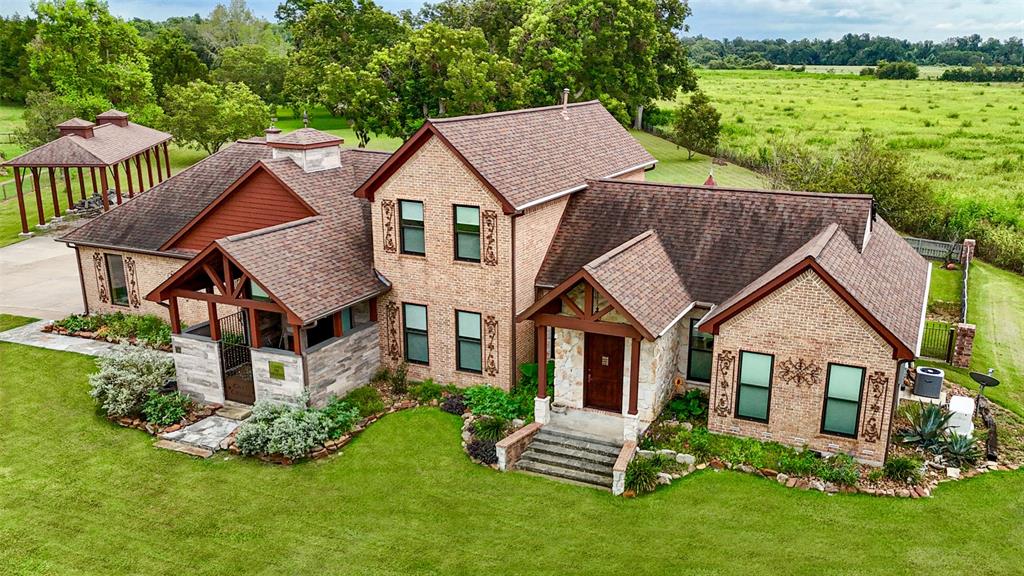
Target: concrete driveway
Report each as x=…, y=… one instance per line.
x=39, y=278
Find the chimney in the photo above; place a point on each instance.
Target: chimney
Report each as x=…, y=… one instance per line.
x=311, y=149
x=112, y=116
x=565, y=98
x=76, y=127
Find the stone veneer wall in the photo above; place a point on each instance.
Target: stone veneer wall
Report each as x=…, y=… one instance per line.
x=436, y=177
x=149, y=272
x=197, y=363
x=288, y=390
x=805, y=325
x=341, y=364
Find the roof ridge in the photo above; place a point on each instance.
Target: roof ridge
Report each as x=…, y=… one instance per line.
x=822, y=239
x=467, y=117
x=367, y=151
x=269, y=229
x=604, y=258
x=864, y=196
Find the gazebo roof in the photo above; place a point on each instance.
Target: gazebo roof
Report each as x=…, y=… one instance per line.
x=109, y=145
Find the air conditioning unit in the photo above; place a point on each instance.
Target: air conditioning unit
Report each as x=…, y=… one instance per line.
x=928, y=382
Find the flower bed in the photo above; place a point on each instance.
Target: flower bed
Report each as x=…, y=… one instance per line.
x=147, y=330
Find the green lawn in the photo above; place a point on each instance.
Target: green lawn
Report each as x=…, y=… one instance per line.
x=674, y=167
x=79, y=495
x=945, y=285
x=9, y=322
x=995, y=303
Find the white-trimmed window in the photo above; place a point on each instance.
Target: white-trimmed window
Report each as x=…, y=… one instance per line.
x=841, y=412
x=754, y=392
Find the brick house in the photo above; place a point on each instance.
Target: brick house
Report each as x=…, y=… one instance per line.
x=488, y=241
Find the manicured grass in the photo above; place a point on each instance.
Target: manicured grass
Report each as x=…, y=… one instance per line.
x=10, y=322
x=673, y=166
x=995, y=304
x=945, y=285
x=80, y=495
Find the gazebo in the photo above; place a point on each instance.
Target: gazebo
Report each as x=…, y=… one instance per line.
x=107, y=146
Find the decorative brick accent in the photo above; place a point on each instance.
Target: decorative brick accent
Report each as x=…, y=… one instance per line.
x=963, y=345
x=393, y=351
x=491, y=339
x=390, y=226
x=800, y=373
x=133, y=282
x=877, y=384
x=490, y=233
x=100, y=273
x=967, y=251
x=723, y=383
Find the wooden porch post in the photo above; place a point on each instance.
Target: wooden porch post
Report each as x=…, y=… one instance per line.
x=39, y=196
x=542, y=363
x=53, y=190
x=211, y=307
x=254, y=328
x=339, y=329
x=128, y=177
x=373, y=309
x=149, y=168
x=138, y=172
x=21, y=200
x=67, y=186
x=297, y=339
x=634, y=375
x=92, y=174
x=117, y=183
x=159, y=167
x=175, y=321
x=81, y=183
x=167, y=160
x=103, y=192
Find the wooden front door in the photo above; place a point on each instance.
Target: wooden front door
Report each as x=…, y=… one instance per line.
x=603, y=359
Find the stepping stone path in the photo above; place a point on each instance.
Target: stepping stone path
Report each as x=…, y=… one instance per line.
x=200, y=439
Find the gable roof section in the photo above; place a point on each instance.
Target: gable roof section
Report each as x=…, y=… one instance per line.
x=109, y=145
x=306, y=138
x=526, y=156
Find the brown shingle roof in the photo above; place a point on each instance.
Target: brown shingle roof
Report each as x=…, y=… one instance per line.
x=304, y=137
x=109, y=145
x=75, y=123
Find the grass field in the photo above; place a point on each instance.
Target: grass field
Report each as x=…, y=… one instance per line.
x=967, y=139
x=926, y=72
x=79, y=495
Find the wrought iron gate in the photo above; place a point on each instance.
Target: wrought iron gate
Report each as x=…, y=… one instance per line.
x=938, y=340
x=236, y=358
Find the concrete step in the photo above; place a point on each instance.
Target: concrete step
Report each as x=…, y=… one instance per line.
x=578, y=442
x=542, y=446
x=565, y=473
x=184, y=448
x=570, y=462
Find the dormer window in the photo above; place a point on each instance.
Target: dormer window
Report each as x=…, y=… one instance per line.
x=467, y=233
x=410, y=218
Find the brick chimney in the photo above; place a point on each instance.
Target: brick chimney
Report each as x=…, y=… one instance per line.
x=76, y=127
x=115, y=117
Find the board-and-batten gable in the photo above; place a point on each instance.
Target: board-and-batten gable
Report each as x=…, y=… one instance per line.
x=258, y=199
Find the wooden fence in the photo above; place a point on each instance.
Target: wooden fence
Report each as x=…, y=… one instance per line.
x=936, y=249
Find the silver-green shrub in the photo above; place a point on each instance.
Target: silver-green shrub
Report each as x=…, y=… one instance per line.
x=125, y=377
x=286, y=430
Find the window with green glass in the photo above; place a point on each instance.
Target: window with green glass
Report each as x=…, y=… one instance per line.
x=754, y=391
x=698, y=365
x=346, y=320
x=467, y=233
x=410, y=220
x=467, y=341
x=116, y=279
x=415, y=333
x=842, y=400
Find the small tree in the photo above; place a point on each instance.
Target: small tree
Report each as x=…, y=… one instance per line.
x=896, y=70
x=207, y=116
x=697, y=125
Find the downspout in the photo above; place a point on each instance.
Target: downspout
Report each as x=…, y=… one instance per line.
x=513, y=360
x=901, y=373
x=81, y=280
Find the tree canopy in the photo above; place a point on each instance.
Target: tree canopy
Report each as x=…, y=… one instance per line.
x=207, y=116
x=255, y=66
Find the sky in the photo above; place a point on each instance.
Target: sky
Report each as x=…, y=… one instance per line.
x=753, y=19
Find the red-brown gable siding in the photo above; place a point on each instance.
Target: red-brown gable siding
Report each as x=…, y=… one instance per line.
x=259, y=202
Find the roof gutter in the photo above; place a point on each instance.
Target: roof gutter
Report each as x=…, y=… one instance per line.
x=75, y=244
x=685, y=311
x=557, y=195
x=924, y=310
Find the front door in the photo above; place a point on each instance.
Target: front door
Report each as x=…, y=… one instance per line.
x=602, y=386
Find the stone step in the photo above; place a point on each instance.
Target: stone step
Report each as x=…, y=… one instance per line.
x=579, y=442
x=565, y=473
x=564, y=461
x=184, y=448
x=544, y=447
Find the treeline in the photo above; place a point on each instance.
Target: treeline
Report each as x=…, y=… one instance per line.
x=980, y=73
x=857, y=50
x=384, y=73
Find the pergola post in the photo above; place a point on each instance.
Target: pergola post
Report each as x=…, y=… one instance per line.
x=167, y=160
x=297, y=339
x=149, y=168
x=92, y=174
x=53, y=191
x=634, y=375
x=159, y=168
x=67, y=186
x=21, y=200
x=81, y=183
x=542, y=363
x=211, y=307
x=117, y=183
x=339, y=329
x=128, y=177
x=39, y=196
x=138, y=172
x=175, y=321
x=254, y=328
x=103, y=192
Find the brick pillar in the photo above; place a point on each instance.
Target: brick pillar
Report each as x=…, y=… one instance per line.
x=967, y=251
x=963, y=344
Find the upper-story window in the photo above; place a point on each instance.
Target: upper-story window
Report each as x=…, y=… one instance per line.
x=410, y=218
x=467, y=233
x=116, y=279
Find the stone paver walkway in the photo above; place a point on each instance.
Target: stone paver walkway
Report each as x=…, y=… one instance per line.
x=208, y=433
x=32, y=335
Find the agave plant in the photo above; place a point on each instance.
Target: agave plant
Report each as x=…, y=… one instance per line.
x=928, y=424
x=961, y=449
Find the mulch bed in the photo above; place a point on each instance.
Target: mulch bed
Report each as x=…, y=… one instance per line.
x=50, y=328
x=197, y=413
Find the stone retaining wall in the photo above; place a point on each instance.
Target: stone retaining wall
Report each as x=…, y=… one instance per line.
x=341, y=364
x=511, y=447
x=285, y=387
x=198, y=365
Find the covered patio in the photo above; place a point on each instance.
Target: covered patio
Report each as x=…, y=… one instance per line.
x=98, y=153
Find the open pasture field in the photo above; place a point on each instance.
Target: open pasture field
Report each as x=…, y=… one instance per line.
x=926, y=71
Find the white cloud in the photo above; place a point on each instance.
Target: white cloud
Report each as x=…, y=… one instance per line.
x=847, y=13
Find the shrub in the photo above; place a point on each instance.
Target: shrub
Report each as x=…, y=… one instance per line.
x=903, y=469
x=274, y=429
x=455, y=404
x=928, y=423
x=483, y=451
x=126, y=376
x=796, y=463
x=839, y=469
x=490, y=428
x=341, y=416
x=165, y=409
x=896, y=70
x=79, y=323
x=399, y=379
x=960, y=450
x=528, y=377
x=701, y=444
x=426, y=391
x=642, y=475
x=366, y=399
x=486, y=400
x=690, y=405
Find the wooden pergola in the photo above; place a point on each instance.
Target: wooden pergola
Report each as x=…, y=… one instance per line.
x=102, y=149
